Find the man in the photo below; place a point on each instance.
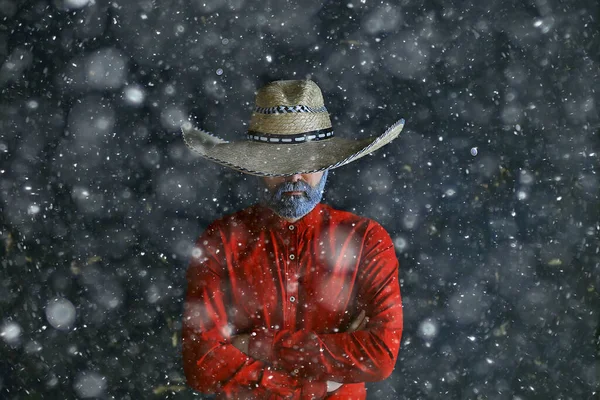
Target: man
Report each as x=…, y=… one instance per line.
x=290, y=298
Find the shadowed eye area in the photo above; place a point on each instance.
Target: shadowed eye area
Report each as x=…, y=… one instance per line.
x=294, y=199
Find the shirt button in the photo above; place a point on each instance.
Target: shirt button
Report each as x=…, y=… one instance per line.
x=292, y=299
x=291, y=227
x=292, y=256
x=296, y=371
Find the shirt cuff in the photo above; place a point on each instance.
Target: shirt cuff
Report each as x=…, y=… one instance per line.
x=260, y=346
x=312, y=390
x=279, y=383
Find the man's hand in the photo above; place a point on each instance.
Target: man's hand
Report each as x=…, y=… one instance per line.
x=358, y=324
x=240, y=342
x=333, y=386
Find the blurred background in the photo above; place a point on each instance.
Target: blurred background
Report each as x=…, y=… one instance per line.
x=490, y=193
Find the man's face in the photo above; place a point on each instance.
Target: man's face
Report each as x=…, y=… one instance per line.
x=294, y=196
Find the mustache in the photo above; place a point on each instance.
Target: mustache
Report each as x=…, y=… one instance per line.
x=299, y=186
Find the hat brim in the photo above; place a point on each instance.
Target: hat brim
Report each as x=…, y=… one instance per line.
x=276, y=159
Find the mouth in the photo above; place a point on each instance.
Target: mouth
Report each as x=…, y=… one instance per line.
x=293, y=193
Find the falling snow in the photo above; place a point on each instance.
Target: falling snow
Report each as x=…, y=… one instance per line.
x=490, y=194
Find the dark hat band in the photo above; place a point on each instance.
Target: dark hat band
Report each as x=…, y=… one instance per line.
x=311, y=136
x=290, y=109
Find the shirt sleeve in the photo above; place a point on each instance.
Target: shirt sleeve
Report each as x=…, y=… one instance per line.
x=211, y=363
x=362, y=356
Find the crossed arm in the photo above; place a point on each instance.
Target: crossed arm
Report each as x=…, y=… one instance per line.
x=212, y=364
x=241, y=342
x=288, y=363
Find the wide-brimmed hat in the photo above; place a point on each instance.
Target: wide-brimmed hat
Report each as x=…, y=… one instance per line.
x=290, y=132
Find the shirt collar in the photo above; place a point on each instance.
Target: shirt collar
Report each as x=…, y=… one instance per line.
x=270, y=219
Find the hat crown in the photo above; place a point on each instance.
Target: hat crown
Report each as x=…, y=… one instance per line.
x=290, y=93
x=290, y=132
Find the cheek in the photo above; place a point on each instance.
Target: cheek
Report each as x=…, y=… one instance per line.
x=272, y=184
x=314, y=181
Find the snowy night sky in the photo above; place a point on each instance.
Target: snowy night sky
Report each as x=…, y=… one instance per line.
x=490, y=194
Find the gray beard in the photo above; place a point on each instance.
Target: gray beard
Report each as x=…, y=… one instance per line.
x=293, y=207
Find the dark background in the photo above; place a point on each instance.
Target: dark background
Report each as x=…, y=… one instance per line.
x=490, y=194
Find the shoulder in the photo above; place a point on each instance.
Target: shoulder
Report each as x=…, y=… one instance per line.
x=232, y=222
x=370, y=227
x=377, y=248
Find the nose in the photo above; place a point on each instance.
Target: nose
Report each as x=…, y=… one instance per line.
x=295, y=178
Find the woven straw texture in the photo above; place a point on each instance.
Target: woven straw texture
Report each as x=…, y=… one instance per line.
x=289, y=93
x=278, y=159
x=267, y=159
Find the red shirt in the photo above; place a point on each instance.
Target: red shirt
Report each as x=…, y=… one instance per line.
x=295, y=287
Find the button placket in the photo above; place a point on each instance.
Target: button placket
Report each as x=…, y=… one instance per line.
x=293, y=277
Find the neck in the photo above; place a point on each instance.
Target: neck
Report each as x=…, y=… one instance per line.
x=291, y=220
x=288, y=219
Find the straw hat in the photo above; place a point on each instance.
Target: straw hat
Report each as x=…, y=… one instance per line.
x=290, y=132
